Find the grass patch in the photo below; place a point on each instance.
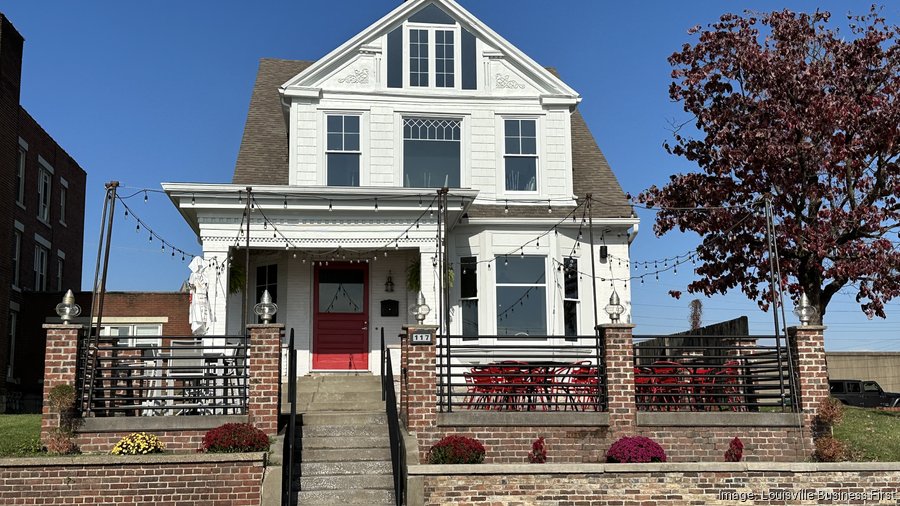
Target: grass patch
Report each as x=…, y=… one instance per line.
x=872, y=435
x=20, y=435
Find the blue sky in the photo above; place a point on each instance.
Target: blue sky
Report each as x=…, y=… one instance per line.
x=146, y=92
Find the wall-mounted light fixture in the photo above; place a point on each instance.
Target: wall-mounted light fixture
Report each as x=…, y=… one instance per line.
x=389, y=284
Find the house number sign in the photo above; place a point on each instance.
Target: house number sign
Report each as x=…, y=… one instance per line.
x=422, y=337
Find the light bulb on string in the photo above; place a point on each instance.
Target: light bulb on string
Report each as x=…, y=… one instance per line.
x=193, y=200
x=146, y=198
x=420, y=201
x=506, y=208
x=329, y=206
x=549, y=207
x=150, y=237
x=126, y=213
x=285, y=201
x=376, y=204
x=137, y=228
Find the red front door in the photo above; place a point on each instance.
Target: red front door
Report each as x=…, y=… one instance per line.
x=341, y=317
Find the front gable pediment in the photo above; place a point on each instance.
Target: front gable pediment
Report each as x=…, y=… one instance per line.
x=363, y=63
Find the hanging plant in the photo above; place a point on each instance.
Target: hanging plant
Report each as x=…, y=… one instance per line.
x=414, y=275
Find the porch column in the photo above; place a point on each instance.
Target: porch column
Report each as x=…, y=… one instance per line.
x=218, y=290
x=429, y=285
x=60, y=368
x=619, y=362
x=265, y=375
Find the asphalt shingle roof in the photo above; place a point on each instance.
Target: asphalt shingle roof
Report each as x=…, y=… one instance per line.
x=263, y=156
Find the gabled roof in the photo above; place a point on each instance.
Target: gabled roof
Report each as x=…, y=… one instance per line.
x=263, y=157
x=546, y=80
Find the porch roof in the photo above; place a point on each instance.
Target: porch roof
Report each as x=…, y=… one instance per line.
x=192, y=199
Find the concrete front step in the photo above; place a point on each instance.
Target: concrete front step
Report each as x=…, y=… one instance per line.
x=375, y=417
x=346, y=454
x=344, y=430
x=371, y=468
x=338, y=386
x=340, y=406
x=366, y=397
x=348, y=482
x=331, y=497
x=334, y=443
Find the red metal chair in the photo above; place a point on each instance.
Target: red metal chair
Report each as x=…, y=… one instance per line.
x=586, y=388
x=669, y=386
x=732, y=388
x=643, y=386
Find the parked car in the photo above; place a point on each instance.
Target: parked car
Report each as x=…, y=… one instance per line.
x=867, y=394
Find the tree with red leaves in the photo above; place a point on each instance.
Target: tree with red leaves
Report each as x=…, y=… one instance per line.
x=788, y=108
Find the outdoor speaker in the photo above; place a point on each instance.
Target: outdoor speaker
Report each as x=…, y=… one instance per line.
x=603, y=253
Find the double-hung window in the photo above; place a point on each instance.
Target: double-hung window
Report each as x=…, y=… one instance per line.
x=20, y=177
x=468, y=296
x=431, y=152
x=570, y=296
x=16, y=257
x=45, y=179
x=63, y=196
x=342, y=150
x=427, y=71
x=41, y=255
x=520, y=158
x=521, y=296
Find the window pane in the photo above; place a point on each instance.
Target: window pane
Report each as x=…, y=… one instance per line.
x=521, y=174
x=570, y=271
x=570, y=315
x=518, y=269
x=335, y=142
x=512, y=146
x=351, y=142
x=343, y=169
x=521, y=310
x=335, y=124
x=468, y=286
x=528, y=128
x=341, y=291
x=351, y=124
x=469, y=317
x=529, y=146
x=512, y=128
x=418, y=58
x=431, y=164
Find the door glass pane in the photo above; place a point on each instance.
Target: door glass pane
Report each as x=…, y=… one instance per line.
x=469, y=318
x=341, y=291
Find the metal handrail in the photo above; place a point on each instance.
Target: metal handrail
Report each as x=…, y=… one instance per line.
x=288, y=490
x=398, y=449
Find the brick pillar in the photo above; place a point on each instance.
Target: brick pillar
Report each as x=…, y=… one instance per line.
x=264, y=355
x=619, y=357
x=60, y=367
x=418, y=384
x=808, y=356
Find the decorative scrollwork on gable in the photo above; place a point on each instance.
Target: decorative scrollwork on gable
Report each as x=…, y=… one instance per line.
x=359, y=76
x=503, y=81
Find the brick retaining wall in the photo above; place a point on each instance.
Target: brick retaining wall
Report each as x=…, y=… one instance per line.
x=160, y=480
x=656, y=484
x=584, y=437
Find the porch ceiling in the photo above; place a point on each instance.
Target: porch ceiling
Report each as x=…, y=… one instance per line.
x=194, y=200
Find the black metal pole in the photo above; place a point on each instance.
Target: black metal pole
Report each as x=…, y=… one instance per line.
x=439, y=257
x=383, y=386
x=94, y=290
x=778, y=301
x=446, y=295
x=245, y=306
x=593, y=267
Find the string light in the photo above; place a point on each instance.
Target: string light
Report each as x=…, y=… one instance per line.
x=146, y=198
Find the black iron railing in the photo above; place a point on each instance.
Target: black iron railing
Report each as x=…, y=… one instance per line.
x=179, y=376
x=290, y=477
x=398, y=449
x=711, y=373
x=521, y=373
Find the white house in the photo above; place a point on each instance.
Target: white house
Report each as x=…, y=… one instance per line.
x=344, y=157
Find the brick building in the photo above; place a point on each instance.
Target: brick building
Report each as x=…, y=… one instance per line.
x=143, y=316
x=41, y=213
